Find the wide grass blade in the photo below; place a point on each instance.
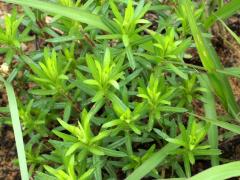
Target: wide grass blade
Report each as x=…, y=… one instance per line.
x=220, y=172
x=210, y=112
x=152, y=162
x=17, y=129
x=211, y=62
x=223, y=13
x=77, y=14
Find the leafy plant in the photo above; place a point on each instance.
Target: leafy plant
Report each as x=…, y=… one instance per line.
x=126, y=27
x=32, y=123
x=60, y=174
x=10, y=37
x=191, y=143
x=105, y=75
x=143, y=76
x=128, y=120
x=157, y=96
x=50, y=75
x=82, y=137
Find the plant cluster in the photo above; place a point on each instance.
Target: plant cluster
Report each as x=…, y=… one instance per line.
x=104, y=95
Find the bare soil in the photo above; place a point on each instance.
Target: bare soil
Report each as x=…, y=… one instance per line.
x=8, y=171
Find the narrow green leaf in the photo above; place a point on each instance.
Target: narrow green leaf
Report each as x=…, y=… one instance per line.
x=98, y=168
x=172, y=109
x=67, y=111
x=210, y=112
x=62, y=39
x=178, y=71
x=17, y=129
x=43, y=92
x=233, y=71
x=234, y=35
x=113, y=153
x=225, y=125
x=29, y=12
x=73, y=148
x=130, y=57
x=223, y=13
x=72, y=13
x=220, y=172
x=211, y=62
x=152, y=162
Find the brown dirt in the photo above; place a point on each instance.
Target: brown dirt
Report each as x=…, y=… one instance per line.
x=231, y=148
x=8, y=171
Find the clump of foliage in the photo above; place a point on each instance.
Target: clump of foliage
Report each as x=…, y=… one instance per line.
x=104, y=95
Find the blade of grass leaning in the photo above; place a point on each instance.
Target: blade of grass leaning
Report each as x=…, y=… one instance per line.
x=225, y=125
x=211, y=62
x=232, y=71
x=219, y=172
x=224, y=12
x=234, y=35
x=70, y=12
x=17, y=129
x=152, y=162
x=210, y=112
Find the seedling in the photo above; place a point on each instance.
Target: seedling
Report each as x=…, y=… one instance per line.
x=11, y=38
x=191, y=143
x=105, y=75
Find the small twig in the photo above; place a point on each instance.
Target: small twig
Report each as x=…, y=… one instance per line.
x=87, y=39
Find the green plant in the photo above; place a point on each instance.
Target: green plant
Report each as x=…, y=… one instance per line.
x=127, y=121
x=50, y=75
x=165, y=47
x=105, y=75
x=32, y=123
x=126, y=27
x=157, y=97
x=130, y=69
x=10, y=37
x=82, y=137
x=60, y=174
x=190, y=143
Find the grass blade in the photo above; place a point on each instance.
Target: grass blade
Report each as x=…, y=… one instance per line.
x=234, y=35
x=210, y=112
x=220, y=172
x=223, y=13
x=152, y=162
x=211, y=62
x=232, y=71
x=225, y=125
x=72, y=13
x=17, y=129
